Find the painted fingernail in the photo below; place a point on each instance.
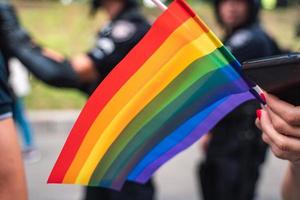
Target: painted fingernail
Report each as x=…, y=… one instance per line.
x=262, y=95
x=258, y=114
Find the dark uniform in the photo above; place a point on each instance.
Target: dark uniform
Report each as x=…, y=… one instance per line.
x=5, y=99
x=113, y=43
x=236, y=151
x=116, y=39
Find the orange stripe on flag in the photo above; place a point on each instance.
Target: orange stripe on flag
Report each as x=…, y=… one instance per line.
x=160, y=31
x=177, y=40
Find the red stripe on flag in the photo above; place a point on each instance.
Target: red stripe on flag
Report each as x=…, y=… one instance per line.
x=187, y=8
x=160, y=31
x=192, y=13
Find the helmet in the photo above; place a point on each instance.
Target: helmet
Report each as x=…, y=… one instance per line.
x=96, y=4
x=254, y=8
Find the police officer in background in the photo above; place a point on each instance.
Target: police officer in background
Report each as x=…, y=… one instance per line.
x=126, y=27
x=234, y=148
x=114, y=41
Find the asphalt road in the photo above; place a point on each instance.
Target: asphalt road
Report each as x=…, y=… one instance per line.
x=175, y=181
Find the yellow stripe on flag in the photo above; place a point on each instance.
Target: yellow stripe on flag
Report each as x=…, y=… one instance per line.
x=184, y=34
x=198, y=48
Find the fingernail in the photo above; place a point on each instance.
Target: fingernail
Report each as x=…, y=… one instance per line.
x=258, y=114
x=262, y=95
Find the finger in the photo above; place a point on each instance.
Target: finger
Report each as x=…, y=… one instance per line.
x=266, y=139
x=286, y=111
x=291, y=156
x=282, y=126
x=204, y=142
x=257, y=123
x=276, y=151
x=284, y=143
x=279, y=153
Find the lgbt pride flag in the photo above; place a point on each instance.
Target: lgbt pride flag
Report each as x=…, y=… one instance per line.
x=172, y=88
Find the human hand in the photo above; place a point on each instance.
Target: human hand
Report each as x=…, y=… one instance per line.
x=280, y=123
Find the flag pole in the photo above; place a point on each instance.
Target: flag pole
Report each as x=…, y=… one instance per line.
x=160, y=5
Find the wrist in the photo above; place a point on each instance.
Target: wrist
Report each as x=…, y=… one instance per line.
x=291, y=182
x=295, y=169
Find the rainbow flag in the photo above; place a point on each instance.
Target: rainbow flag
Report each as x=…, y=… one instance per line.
x=173, y=87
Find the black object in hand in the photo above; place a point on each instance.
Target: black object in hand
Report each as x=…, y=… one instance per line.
x=278, y=75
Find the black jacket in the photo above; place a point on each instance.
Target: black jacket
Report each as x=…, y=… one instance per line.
x=5, y=98
x=251, y=42
x=248, y=43
x=236, y=150
x=115, y=41
x=117, y=38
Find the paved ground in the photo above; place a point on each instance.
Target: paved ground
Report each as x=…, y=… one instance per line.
x=175, y=181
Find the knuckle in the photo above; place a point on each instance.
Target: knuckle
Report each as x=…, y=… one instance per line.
x=293, y=117
x=279, y=153
x=280, y=126
x=283, y=146
x=265, y=138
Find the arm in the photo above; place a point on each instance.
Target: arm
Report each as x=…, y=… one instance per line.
x=82, y=64
x=17, y=43
x=280, y=123
x=291, y=184
x=12, y=178
x=80, y=71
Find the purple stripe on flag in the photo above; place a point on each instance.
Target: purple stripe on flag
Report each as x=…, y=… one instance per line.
x=220, y=112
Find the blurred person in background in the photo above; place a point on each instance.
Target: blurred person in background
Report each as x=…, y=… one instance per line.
x=20, y=85
x=280, y=124
x=12, y=177
x=234, y=149
x=126, y=27
x=84, y=72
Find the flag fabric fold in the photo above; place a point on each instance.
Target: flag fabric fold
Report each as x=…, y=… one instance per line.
x=172, y=87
